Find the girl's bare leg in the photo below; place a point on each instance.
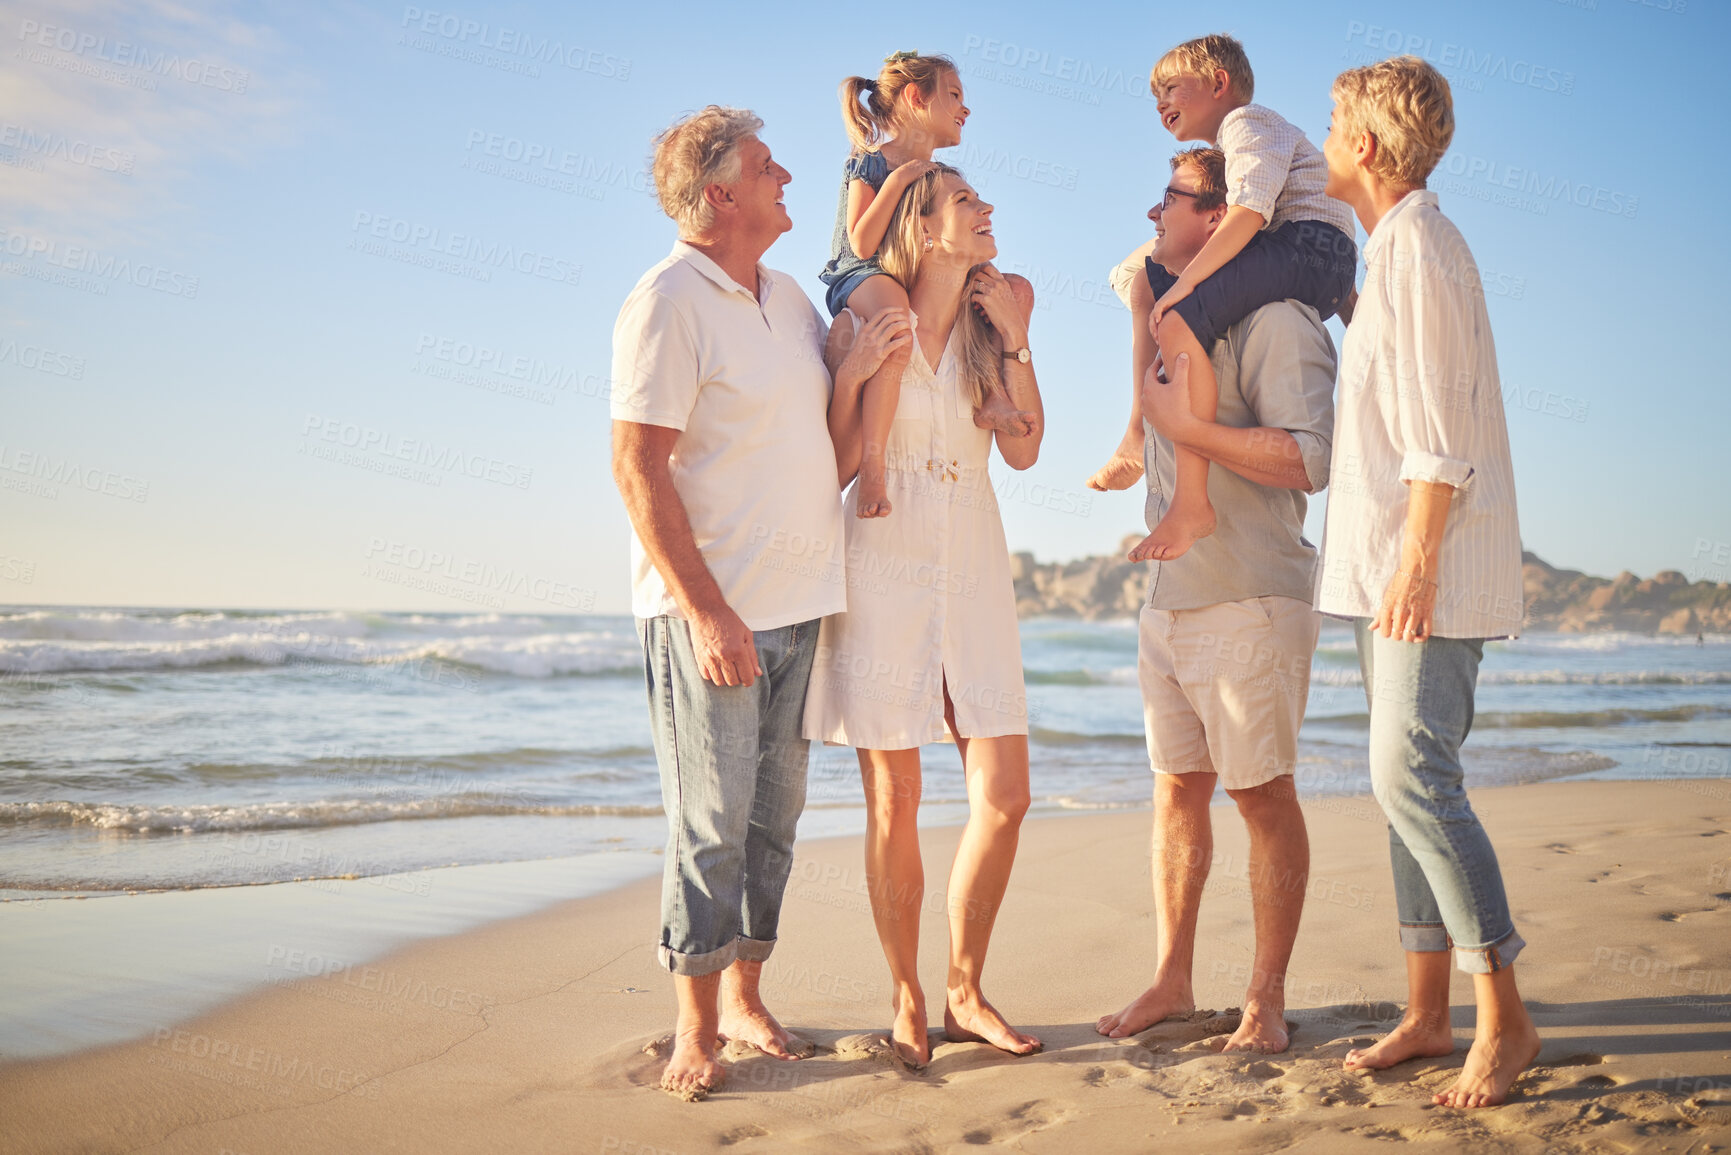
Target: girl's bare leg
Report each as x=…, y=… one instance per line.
x=1124, y=469
x=880, y=397
x=997, y=772
x=896, y=881
x=1190, y=517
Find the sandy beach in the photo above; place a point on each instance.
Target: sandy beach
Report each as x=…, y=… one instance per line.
x=536, y=1033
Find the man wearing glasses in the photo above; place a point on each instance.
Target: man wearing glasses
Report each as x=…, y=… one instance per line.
x=1227, y=631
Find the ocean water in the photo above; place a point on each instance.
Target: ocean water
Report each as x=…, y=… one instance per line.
x=179, y=749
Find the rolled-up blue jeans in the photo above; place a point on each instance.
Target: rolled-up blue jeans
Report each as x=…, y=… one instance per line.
x=1448, y=889
x=733, y=784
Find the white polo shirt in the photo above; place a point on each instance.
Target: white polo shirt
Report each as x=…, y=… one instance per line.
x=743, y=380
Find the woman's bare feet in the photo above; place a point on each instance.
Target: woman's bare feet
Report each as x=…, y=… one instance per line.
x=692, y=1072
x=752, y=1024
x=1001, y=414
x=1496, y=1059
x=1154, y=1005
x=1182, y=527
x=969, y=1018
x=1263, y=1030
x=910, y=1037
x=1415, y=1037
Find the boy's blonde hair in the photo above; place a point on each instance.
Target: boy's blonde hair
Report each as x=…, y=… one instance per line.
x=694, y=153
x=1405, y=104
x=871, y=121
x=1199, y=58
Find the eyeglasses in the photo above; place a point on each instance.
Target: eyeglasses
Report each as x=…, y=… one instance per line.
x=1171, y=196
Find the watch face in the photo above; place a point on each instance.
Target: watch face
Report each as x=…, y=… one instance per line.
x=1022, y=355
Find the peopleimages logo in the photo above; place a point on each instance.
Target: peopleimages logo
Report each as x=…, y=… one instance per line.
x=1462, y=59
x=465, y=247
x=459, y=30
x=94, y=263
x=128, y=55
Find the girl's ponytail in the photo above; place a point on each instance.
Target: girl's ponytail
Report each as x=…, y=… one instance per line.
x=871, y=121
x=865, y=122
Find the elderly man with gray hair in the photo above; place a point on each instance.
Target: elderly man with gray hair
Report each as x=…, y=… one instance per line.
x=722, y=452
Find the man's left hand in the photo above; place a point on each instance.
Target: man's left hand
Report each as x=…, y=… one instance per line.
x=1166, y=404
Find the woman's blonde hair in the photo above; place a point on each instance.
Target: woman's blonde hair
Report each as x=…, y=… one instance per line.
x=903, y=251
x=871, y=121
x=693, y=153
x=1405, y=104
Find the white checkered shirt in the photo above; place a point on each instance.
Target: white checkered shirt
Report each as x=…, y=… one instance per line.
x=1273, y=169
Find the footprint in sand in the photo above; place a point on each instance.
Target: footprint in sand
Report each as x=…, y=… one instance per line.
x=741, y=1133
x=1030, y=1117
x=865, y=1046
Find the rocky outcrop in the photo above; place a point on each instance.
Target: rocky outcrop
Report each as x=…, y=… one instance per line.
x=1557, y=599
x=1666, y=603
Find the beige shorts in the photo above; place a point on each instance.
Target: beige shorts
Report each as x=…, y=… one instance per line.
x=1224, y=687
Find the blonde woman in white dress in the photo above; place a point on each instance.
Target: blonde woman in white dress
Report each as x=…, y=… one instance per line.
x=928, y=648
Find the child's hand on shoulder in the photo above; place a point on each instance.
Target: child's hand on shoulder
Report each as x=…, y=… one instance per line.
x=909, y=171
x=1179, y=290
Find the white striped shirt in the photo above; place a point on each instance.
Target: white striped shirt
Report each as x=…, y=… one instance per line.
x=1420, y=400
x=1273, y=169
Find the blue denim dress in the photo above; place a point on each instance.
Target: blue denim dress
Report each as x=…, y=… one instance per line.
x=846, y=269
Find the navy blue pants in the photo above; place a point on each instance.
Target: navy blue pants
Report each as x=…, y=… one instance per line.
x=1304, y=261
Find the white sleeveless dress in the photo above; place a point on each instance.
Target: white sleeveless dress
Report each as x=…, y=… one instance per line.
x=930, y=599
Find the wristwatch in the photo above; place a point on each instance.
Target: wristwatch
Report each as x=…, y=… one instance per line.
x=1024, y=355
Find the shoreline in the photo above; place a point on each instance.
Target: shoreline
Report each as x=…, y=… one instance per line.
x=227, y=946
x=1621, y=887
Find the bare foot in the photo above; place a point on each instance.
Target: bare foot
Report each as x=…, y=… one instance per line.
x=1263, y=1030
x=874, y=499
x=1154, y=1005
x=1119, y=473
x=1180, y=529
x=1495, y=1060
x=1412, y=1038
x=910, y=1037
x=1001, y=414
x=969, y=1018
x=692, y=1072
x=753, y=1025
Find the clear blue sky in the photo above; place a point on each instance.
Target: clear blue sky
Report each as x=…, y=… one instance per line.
x=232, y=232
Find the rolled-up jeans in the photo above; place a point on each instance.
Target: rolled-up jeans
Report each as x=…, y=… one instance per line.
x=733, y=770
x=1448, y=890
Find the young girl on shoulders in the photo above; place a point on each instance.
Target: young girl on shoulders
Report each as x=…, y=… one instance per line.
x=894, y=122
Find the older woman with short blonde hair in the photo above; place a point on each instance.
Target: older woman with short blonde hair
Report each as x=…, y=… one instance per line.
x=1422, y=552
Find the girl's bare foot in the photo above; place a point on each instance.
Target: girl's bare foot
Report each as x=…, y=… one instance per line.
x=1496, y=1059
x=874, y=497
x=692, y=1072
x=1182, y=527
x=1414, y=1038
x=1263, y=1030
x=910, y=1038
x=1154, y=1005
x=969, y=1018
x=1001, y=414
x=1119, y=473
